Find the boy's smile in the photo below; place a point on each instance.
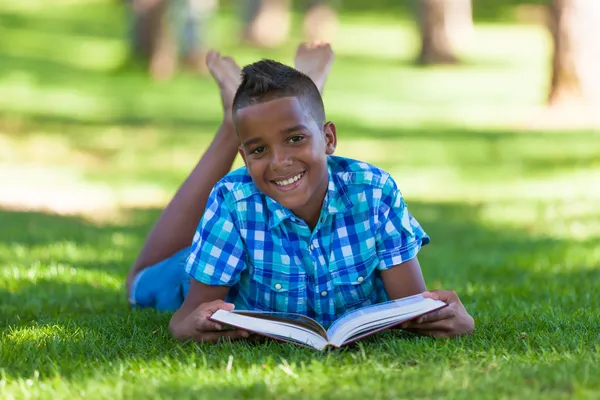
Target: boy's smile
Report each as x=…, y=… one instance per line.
x=285, y=151
x=289, y=183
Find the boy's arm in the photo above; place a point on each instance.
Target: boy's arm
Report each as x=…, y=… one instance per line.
x=216, y=260
x=398, y=241
x=403, y=280
x=191, y=321
x=176, y=225
x=406, y=279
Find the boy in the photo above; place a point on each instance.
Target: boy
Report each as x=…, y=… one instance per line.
x=297, y=230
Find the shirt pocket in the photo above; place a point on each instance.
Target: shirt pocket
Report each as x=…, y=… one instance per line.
x=281, y=291
x=354, y=280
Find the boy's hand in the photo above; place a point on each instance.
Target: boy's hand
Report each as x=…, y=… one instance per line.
x=450, y=321
x=198, y=327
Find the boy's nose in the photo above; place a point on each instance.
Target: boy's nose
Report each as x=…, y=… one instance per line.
x=281, y=160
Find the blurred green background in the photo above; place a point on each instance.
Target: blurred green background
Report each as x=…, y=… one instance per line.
x=91, y=148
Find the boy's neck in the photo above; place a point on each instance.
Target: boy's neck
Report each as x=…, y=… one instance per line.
x=312, y=212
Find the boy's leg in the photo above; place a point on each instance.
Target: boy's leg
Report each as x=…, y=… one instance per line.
x=314, y=59
x=165, y=247
x=175, y=228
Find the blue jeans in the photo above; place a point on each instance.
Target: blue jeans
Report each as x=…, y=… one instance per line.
x=162, y=286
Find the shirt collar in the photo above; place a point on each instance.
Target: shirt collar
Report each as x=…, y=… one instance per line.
x=336, y=201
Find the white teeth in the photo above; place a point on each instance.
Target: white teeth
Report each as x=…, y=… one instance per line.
x=289, y=181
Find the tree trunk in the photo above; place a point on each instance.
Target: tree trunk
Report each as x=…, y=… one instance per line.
x=575, y=28
x=267, y=22
x=444, y=25
x=152, y=40
x=147, y=17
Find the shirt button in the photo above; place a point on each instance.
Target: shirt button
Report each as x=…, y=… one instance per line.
x=360, y=279
x=324, y=293
x=278, y=286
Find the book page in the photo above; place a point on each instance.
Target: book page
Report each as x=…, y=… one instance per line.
x=375, y=326
x=378, y=315
x=289, y=318
x=275, y=329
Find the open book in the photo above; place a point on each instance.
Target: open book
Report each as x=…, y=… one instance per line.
x=353, y=325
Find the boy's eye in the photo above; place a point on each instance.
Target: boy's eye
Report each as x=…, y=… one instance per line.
x=258, y=150
x=295, y=139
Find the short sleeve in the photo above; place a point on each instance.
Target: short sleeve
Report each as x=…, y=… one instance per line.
x=399, y=236
x=217, y=252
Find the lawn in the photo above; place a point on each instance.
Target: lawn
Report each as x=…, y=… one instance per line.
x=90, y=150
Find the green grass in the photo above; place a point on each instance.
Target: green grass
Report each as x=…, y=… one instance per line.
x=89, y=152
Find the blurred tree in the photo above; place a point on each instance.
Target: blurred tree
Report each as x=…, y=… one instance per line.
x=150, y=38
x=163, y=30
x=145, y=22
x=443, y=24
x=575, y=28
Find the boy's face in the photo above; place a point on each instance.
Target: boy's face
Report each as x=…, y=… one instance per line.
x=285, y=152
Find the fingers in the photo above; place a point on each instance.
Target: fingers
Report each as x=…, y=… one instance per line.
x=441, y=319
x=434, y=334
x=443, y=326
x=206, y=325
x=446, y=328
x=441, y=314
x=450, y=321
x=430, y=295
x=213, y=306
x=447, y=296
x=204, y=312
x=213, y=337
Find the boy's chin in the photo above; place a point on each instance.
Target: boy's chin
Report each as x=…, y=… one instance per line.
x=290, y=204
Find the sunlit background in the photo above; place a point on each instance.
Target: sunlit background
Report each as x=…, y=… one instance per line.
x=498, y=161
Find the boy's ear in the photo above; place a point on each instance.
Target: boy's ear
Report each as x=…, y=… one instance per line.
x=330, y=137
x=242, y=154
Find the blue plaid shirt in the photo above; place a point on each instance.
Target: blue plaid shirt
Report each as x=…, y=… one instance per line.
x=272, y=261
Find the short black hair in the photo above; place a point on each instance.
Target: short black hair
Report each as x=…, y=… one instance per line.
x=266, y=80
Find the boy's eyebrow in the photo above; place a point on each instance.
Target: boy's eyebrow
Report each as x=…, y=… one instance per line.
x=299, y=127
x=286, y=131
x=251, y=141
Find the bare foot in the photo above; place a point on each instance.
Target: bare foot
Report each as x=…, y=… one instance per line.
x=227, y=74
x=314, y=59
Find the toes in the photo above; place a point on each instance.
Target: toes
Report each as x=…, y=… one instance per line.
x=324, y=46
x=314, y=45
x=301, y=48
x=212, y=57
x=232, y=69
x=231, y=62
